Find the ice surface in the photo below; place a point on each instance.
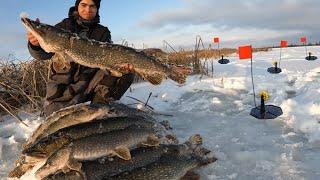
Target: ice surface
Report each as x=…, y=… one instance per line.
x=218, y=108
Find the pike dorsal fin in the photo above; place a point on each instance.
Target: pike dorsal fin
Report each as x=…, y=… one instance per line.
x=74, y=165
x=115, y=73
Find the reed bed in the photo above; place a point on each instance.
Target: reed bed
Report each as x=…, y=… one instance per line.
x=21, y=84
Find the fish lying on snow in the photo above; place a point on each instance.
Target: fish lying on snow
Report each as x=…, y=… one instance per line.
x=81, y=115
x=78, y=114
x=106, y=56
x=24, y=162
x=117, y=143
x=53, y=118
x=172, y=165
x=71, y=175
x=141, y=157
x=65, y=136
x=98, y=169
x=165, y=161
x=42, y=144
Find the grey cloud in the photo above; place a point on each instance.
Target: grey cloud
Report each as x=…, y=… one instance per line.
x=272, y=14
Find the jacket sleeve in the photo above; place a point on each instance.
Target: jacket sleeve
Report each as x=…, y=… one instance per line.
x=37, y=52
x=106, y=36
x=121, y=86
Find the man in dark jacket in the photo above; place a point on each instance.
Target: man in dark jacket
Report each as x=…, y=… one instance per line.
x=75, y=83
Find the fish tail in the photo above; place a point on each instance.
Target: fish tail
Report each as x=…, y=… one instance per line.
x=154, y=78
x=20, y=170
x=179, y=74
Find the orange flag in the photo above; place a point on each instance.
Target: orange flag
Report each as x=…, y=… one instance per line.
x=216, y=40
x=303, y=40
x=245, y=52
x=284, y=43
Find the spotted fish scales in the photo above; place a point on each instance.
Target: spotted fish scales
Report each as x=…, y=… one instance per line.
x=112, y=57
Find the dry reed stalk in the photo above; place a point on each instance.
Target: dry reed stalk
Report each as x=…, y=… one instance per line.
x=11, y=112
x=21, y=84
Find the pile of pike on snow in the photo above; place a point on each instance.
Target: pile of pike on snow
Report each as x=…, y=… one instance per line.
x=112, y=140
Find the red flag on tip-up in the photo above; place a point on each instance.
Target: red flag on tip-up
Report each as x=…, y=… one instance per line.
x=303, y=40
x=245, y=52
x=216, y=40
x=283, y=43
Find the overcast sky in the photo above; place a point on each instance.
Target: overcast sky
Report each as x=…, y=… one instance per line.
x=149, y=22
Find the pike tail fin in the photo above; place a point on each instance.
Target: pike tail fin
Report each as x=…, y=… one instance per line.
x=179, y=74
x=154, y=78
x=20, y=170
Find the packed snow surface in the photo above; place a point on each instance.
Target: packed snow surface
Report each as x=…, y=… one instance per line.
x=218, y=107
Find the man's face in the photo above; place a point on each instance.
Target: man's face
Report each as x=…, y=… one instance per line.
x=87, y=9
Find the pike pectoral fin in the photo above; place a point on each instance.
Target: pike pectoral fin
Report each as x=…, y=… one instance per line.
x=122, y=152
x=72, y=165
x=65, y=169
x=58, y=66
x=95, y=81
x=190, y=175
x=115, y=73
x=66, y=60
x=151, y=141
x=61, y=61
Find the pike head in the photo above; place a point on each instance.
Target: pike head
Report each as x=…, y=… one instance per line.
x=50, y=38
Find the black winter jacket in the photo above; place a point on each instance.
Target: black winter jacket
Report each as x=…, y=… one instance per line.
x=66, y=87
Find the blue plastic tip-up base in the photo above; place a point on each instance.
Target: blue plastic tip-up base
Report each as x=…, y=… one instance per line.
x=224, y=61
x=271, y=112
x=311, y=58
x=274, y=70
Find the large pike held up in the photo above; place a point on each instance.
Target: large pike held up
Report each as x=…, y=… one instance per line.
x=112, y=57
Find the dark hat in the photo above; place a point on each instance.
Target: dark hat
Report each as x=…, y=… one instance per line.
x=96, y=2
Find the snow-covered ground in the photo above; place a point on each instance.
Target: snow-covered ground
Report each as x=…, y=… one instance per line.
x=218, y=108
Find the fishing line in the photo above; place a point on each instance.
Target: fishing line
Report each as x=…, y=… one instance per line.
x=254, y=93
x=305, y=45
x=280, y=56
x=219, y=49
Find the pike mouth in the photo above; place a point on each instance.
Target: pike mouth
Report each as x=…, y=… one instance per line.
x=33, y=26
x=27, y=23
